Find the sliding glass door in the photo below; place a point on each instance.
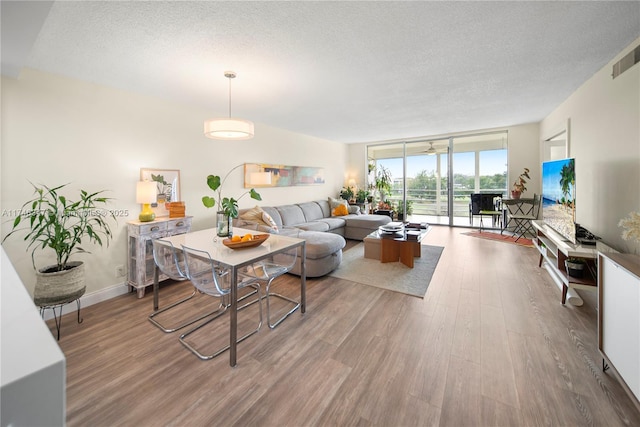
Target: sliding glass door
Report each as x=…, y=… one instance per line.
x=421, y=171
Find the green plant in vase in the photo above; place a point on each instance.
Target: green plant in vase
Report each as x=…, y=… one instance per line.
x=227, y=206
x=53, y=222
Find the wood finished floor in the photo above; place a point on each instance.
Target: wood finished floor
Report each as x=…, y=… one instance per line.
x=489, y=345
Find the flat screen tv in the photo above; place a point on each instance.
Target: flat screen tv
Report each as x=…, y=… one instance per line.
x=559, y=197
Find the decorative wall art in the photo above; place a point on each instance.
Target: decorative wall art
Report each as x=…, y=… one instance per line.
x=257, y=175
x=167, y=185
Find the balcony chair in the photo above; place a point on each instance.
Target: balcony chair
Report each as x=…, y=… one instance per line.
x=171, y=263
x=486, y=204
x=204, y=274
x=522, y=220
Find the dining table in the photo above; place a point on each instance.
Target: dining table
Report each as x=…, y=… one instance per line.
x=234, y=260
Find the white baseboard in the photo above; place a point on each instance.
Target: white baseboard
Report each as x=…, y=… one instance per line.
x=93, y=298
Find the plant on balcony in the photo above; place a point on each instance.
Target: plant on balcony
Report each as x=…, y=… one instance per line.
x=383, y=182
x=519, y=185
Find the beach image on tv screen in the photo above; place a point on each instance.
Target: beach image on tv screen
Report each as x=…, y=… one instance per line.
x=559, y=196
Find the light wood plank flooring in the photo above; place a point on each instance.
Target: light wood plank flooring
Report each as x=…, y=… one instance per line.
x=489, y=345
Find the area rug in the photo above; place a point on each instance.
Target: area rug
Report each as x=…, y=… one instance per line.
x=490, y=235
x=393, y=276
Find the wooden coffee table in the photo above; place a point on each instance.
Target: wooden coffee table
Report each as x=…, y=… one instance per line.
x=393, y=247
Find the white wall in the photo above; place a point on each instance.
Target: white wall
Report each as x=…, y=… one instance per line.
x=57, y=130
x=604, y=118
x=523, y=152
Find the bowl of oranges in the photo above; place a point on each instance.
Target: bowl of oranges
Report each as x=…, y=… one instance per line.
x=245, y=241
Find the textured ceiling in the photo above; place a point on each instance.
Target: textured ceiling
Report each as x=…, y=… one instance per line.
x=344, y=71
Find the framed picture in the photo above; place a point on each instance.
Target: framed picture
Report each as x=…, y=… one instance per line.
x=258, y=175
x=167, y=187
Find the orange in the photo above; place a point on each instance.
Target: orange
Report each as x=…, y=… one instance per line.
x=235, y=238
x=246, y=237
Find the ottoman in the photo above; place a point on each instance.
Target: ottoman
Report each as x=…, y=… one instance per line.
x=359, y=226
x=324, y=251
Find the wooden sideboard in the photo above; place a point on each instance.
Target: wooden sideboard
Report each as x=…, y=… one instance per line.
x=140, y=264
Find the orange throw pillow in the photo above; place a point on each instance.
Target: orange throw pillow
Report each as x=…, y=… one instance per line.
x=340, y=210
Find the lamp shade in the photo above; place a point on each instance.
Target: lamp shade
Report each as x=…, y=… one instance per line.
x=228, y=128
x=146, y=192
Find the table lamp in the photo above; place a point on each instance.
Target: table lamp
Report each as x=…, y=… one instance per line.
x=146, y=194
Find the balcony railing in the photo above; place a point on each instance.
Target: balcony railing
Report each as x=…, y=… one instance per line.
x=429, y=202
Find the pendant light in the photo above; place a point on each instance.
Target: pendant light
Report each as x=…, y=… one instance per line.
x=228, y=128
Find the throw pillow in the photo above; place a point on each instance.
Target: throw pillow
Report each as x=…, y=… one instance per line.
x=269, y=221
x=340, y=210
x=333, y=203
x=254, y=215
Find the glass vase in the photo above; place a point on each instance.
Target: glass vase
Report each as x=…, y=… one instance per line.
x=224, y=224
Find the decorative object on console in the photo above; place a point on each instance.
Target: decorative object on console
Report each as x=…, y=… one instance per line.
x=631, y=226
x=519, y=185
x=167, y=183
x=58, y=223
x=176, y=209
x=227, y=206
x=228, y=128
x=145, y=195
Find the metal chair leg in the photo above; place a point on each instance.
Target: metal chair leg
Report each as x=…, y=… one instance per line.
x=182, y=325
x=225, y=348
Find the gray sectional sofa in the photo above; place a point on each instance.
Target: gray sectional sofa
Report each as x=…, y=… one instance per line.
x=323, y=232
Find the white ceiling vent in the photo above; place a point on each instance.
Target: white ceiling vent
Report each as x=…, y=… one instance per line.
x=629, y=60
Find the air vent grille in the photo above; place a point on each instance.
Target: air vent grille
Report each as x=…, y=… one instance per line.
x=629, y=60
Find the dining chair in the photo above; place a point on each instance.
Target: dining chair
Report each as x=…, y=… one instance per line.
x=204, y=274
x=171, y=263
x=267, y=271
x=522, y=221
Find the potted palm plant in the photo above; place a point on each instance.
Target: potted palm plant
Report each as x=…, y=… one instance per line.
x=54, y=222
x=383, y=182
x=227, y=206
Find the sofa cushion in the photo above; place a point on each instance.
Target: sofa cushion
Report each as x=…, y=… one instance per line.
x=319, y=245
x=371, y=222
x=314, y=226
x=311, y=211
x=334, y=223
x=275, y=215
x=324, y=206
x=340, y=210
x=291, y=215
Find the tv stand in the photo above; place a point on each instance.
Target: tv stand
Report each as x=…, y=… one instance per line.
x=555, y=249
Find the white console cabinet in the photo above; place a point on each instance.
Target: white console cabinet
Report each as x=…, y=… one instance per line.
x=555, y=249
x=619, y=317
x=141, y=266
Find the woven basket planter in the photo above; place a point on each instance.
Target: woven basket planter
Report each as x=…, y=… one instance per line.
x=59, y=287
